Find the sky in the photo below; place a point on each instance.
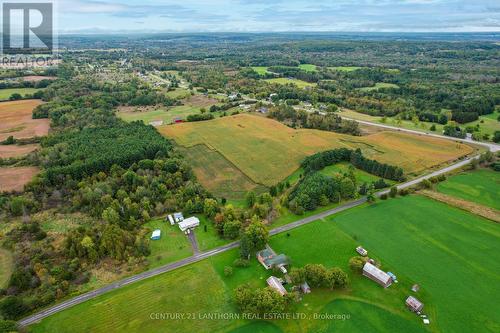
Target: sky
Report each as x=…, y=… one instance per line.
x=94, y=16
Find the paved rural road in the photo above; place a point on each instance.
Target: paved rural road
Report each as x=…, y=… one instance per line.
x=203, y=255
x=491, y=146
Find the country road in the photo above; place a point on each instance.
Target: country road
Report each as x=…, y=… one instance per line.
x=491, y=146
x=203, y=255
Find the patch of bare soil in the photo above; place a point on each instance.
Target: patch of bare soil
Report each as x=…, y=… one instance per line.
x=14, y=179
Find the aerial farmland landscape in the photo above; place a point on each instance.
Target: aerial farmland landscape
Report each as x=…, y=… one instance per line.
x=248, y=166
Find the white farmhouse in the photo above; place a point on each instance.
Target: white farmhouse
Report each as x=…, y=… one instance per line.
x=189, y=223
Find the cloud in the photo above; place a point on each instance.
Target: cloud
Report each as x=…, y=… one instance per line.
x=289, y=15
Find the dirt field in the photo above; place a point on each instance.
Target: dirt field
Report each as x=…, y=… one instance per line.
x=16, y=151
x=268, y=151
x=14, y=179
x=200, y=101
x=15, y=120
x=37, y=78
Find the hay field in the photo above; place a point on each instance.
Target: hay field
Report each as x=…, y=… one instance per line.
x=218, y=175
x=14, y=179
x=268, y=151
x=298, y=83
x=15, y=120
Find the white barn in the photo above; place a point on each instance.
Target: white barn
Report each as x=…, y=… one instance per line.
x=189, y=223
x=374, y=273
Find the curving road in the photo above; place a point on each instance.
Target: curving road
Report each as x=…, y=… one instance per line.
x=491, y=146
x=203, y=255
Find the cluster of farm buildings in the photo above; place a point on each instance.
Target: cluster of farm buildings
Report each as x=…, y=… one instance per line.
x=185, y=225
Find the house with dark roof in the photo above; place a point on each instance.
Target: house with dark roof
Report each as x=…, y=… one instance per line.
x=269, y=259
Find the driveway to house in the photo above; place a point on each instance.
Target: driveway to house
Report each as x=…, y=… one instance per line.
x=203, y=255
x=194, y=242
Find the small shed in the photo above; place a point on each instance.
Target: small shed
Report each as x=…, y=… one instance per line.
x=178, y=217
x=361, y=251
x=170, y=219
x=414, y=304
x=304, y=287
x=276, y=284
x=156, y=235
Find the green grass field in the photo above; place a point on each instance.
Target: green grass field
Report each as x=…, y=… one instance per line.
x=163, y=114
x=179, y=93
x=261, y=70
x=479, y=186
x=6, y=93
x=343, y=168
x=172, y=246
x=298, y=83
x=208, y=239
x=345, y=68
x=449, y=252
x=419, y=126
x=488, y=124
x=205, y=289
x=217, y=174
x=380, y=85
x=6, y=265
x=308, y=68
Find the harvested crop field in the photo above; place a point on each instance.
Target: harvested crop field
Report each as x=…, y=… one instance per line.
x=14, y=179
x=217, y=174
x=38, y=78
x=16, y=120
x=268, y=151
x=16, y=150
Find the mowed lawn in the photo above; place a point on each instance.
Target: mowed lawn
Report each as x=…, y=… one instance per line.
x=267, y=151
x=6, y=93
x=479, y=186
x=449, y=252
x=172, y=246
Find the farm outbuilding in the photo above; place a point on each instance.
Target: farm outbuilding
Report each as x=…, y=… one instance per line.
x=304, y=287
x=178, y=217
x=269, y=259
x=361, y=251
x=156, y=235
x=189, y=223
x=414, y=304
x=374, y=273
x=171, y=220
x=276, y=284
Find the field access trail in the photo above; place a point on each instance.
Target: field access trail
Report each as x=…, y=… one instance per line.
x=203, y=255
x=491, y=146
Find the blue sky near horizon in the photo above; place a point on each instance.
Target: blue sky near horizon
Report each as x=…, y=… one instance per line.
x=278, y=15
